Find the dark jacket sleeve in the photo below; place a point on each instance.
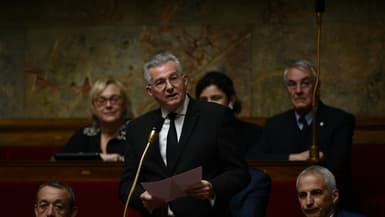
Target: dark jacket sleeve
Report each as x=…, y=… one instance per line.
x=77, y=143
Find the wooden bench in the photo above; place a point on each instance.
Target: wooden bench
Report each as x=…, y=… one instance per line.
x=37, y=139
x=96, y=185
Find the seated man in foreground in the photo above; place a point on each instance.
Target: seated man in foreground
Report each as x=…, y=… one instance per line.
x=55, y=199
x=318, y=194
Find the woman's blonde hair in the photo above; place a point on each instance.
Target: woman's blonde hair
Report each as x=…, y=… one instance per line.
x=100, y=85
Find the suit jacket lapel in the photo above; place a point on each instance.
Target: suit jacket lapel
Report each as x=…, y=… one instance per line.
x=154, y=149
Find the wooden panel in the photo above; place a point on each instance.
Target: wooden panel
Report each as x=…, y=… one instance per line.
x=66, y=171
x=56, y=132
x=38, y=132
x=25, y=176
x=95, y=170
x=280, y=170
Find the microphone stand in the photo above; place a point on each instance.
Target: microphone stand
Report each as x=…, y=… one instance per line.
x=151, y=138
x=314, y=149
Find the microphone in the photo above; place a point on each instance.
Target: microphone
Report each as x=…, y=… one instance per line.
x=151, y=138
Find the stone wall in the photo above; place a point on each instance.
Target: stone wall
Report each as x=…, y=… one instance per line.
x=52, y=51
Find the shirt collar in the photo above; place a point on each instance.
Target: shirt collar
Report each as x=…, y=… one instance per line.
x=308, y=117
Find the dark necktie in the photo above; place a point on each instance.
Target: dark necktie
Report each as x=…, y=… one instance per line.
x=303, y=121
x=305, y=134
x=172, y=140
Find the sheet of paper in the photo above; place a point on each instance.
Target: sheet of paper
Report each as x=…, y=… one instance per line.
x=173, y=187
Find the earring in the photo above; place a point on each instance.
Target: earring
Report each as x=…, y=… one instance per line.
x=230, y=105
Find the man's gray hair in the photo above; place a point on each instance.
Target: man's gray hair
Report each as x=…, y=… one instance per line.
x=328, y=176
x=301, y=64
x=157, y=60
x=59, y=185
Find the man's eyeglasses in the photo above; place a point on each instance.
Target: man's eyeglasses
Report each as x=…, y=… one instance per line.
x=305, y=83
x=102, y=101
x=174, y=80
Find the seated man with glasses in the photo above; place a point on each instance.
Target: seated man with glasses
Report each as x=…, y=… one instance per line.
x=287, y=136
x=109, y=107
x=54, y=198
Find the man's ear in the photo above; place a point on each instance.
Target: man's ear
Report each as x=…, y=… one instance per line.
x=74, y=212
x=335, y=196
x=149, y=90
x=185, y=79
x=36, y=211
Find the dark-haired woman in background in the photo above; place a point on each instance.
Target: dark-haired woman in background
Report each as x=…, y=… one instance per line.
x=252, y=201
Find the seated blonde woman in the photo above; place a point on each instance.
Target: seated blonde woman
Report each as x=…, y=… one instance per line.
x=109, y=109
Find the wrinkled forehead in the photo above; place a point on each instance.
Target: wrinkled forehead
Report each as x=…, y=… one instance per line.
x=311, y=181
x=297, y=74
x=163, y=70
x=52, y=194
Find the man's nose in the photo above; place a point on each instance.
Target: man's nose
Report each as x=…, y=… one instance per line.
x=298, y=88
x=309, y=200
x=50, y=211
x=168, y=83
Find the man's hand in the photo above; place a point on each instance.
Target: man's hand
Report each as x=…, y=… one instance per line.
x=202, y=190
x=150, y=202
x=303, y=156
x=112, y=157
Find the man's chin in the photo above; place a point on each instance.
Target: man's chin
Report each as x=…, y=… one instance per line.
x=312, y=213
x=174, y=101
x=302, y=107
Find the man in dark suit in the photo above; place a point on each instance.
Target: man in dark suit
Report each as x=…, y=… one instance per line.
x=287, y=136
x=205, y=137
x=318, y=194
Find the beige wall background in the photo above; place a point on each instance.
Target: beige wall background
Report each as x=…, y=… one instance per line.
x=52, y=51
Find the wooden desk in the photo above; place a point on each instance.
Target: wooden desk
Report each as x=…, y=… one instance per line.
x=66, y=171
x=96, y=185
x=280, y=170
x=103, y=171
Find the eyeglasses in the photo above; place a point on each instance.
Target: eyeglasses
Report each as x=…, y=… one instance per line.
x=174, y=80
x=102, y=101
x=305, y=83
